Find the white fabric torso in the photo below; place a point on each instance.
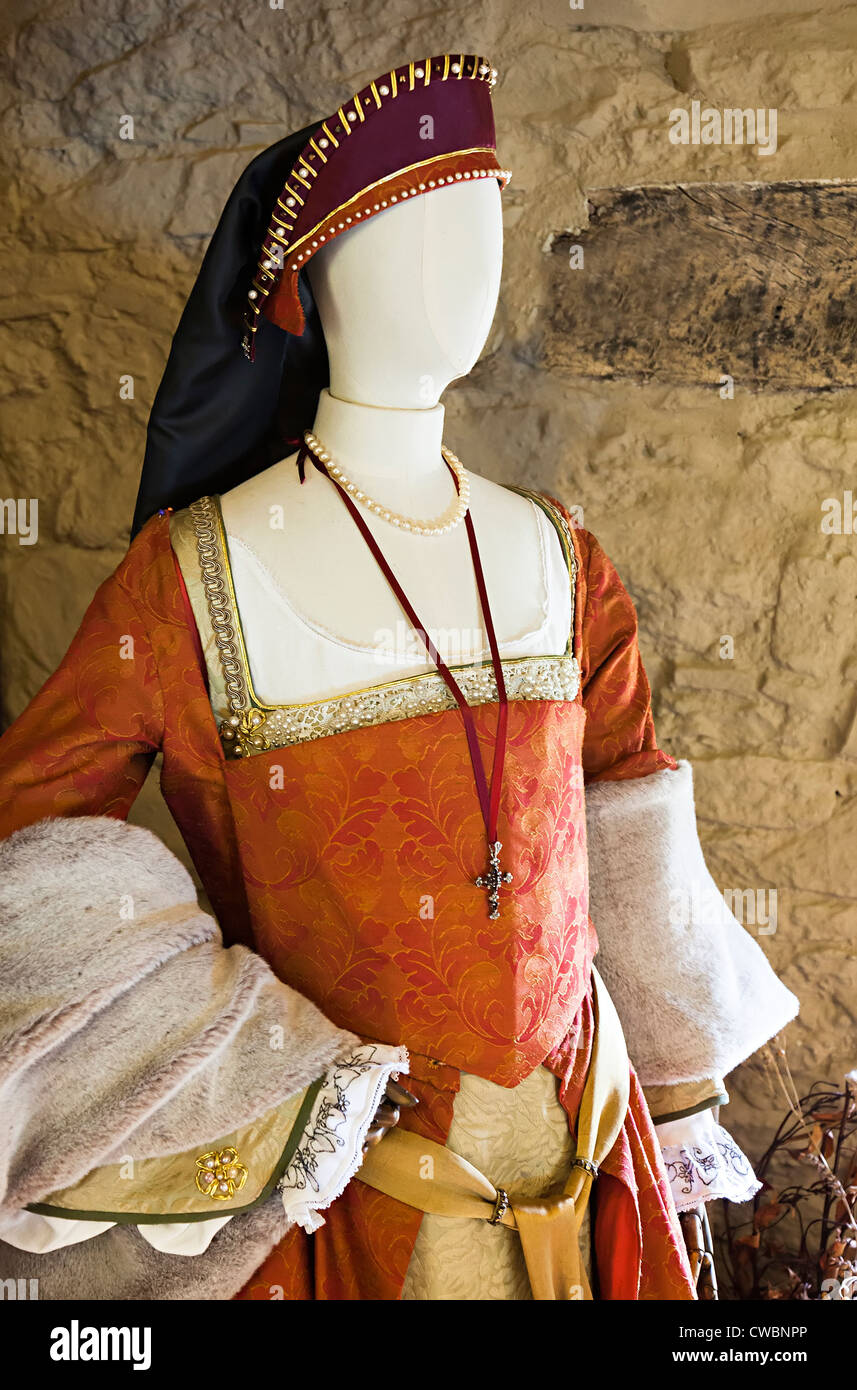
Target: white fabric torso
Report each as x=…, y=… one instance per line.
x=295, y=660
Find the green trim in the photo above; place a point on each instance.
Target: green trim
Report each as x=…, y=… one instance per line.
x=709, y=1104
x=148, y=1219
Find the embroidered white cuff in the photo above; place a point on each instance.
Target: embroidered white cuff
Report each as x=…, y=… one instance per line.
x=331, y=1149
x=703, y=1162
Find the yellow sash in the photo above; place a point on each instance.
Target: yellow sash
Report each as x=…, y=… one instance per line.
x=430, y=1177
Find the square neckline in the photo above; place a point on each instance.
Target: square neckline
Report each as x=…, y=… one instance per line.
x=248, y=720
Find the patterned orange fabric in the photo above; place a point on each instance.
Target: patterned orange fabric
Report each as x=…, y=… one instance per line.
x=360, y=868
x=348, y=863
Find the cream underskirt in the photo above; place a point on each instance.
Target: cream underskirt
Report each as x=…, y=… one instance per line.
x=519, y=1138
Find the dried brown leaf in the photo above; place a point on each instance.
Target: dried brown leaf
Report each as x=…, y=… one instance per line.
x=766, y=1215
x=751, y=1242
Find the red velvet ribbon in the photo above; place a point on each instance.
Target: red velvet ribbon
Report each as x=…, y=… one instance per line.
x=489, y=799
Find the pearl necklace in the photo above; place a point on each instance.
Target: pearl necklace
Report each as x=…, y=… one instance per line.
x=447, y=521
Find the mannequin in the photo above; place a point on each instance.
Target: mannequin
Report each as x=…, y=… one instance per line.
x=320, y=820
x=406, y=303
x=431, y=268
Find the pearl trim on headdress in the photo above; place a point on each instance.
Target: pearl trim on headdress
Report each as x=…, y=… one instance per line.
x=278, y=247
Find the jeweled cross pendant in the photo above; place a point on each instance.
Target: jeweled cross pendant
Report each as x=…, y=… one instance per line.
x=492, y=878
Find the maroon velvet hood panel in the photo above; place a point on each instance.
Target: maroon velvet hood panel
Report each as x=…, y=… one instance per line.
x=414, y=129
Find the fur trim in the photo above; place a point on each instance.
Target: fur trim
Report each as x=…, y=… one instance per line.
x=125, y=1026
x=694, y=991
x=119, y=1263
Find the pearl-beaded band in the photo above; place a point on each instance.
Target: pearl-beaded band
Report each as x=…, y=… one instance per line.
x=367, y=156
x=452, y=517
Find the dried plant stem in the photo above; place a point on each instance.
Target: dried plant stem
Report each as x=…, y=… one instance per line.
x=783, y=1074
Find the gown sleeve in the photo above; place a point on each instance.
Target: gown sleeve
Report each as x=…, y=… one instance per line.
x=85, y=743
x=695, y=992
x=619, y=737
x=81, y=749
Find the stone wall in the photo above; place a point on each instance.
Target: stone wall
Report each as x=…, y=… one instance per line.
x=710, y=507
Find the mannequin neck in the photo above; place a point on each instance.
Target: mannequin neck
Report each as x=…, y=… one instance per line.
x=370, y=441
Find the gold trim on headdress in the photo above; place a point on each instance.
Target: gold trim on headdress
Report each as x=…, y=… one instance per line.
x=374, y=96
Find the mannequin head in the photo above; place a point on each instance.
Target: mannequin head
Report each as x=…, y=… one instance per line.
x=406, y=300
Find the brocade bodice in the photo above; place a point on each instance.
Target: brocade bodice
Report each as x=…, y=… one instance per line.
x=360, y=852
x=360, y=837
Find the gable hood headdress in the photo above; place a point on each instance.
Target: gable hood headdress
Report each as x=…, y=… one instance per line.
x=248, y=359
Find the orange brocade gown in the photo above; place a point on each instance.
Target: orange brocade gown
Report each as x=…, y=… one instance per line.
x=321, y=854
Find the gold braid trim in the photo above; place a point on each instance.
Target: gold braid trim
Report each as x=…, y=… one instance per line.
x=243, y=731
x=252, y=726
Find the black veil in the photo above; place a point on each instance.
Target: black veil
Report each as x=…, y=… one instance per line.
x=218, y=419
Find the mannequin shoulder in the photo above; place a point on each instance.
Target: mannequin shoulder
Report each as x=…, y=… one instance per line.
x=554, y=516
x=265, y=500
x=588, y=549
x=498, y=501
x=596, y=574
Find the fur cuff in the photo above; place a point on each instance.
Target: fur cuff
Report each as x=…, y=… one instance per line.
x=694, y=991
x=126, y=1028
